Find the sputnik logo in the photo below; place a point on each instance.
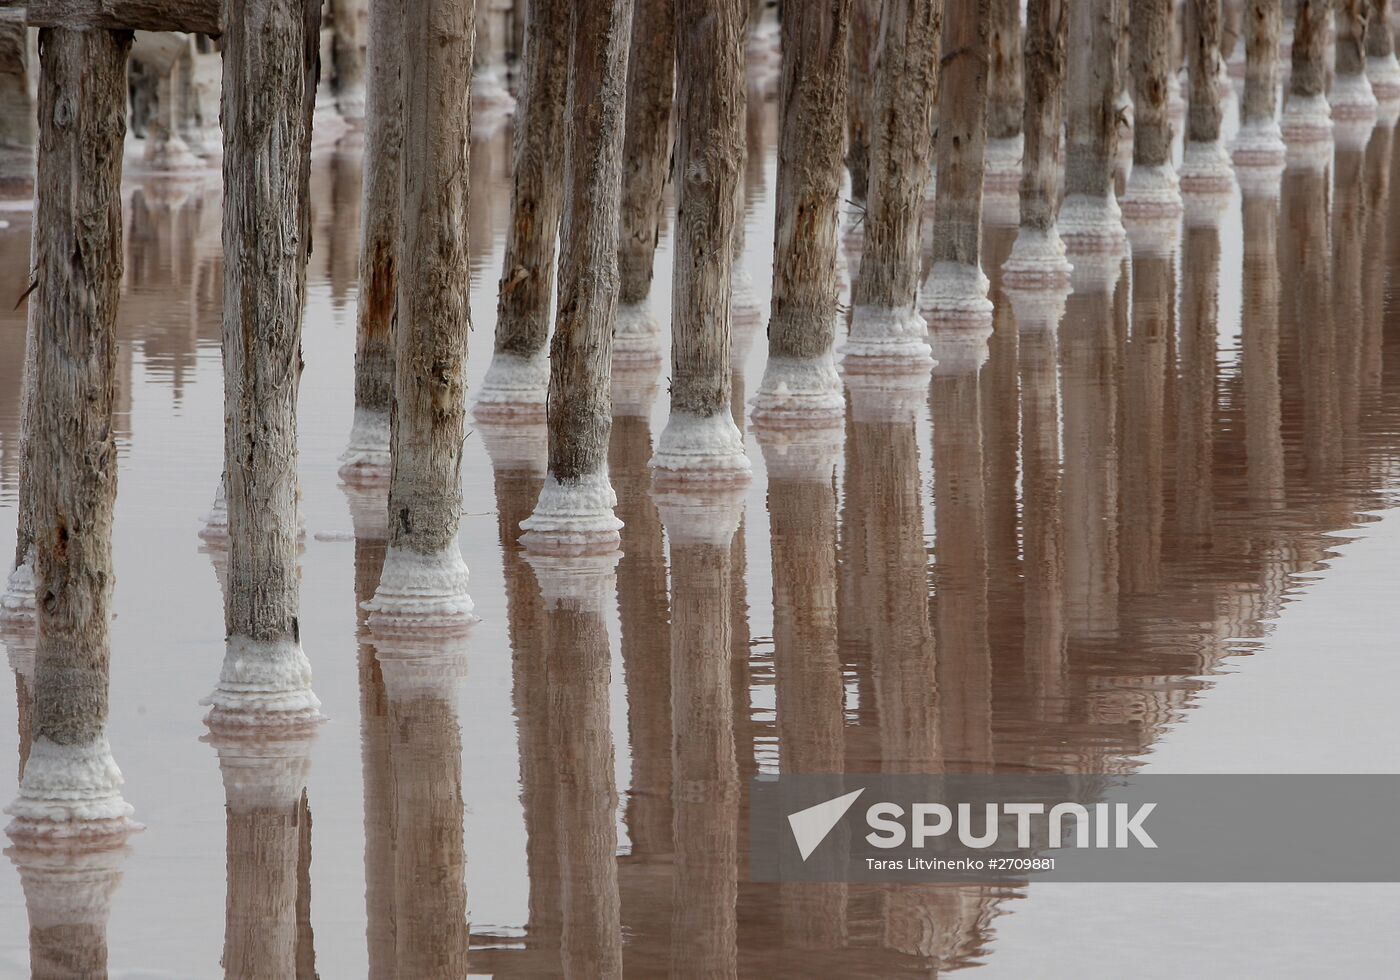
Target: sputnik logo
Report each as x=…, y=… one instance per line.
x=810, y=826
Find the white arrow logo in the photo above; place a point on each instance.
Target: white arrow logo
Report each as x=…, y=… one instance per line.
x=810, y=826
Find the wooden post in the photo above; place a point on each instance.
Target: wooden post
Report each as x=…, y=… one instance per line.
x=162, y=55
x=886, y=328
x=267, y=93
x=1152, y=186
x=424, y=581
x=1038, y=255
x=705, y=786
x=70, y=779
x=366, y=459
x=646, y=165
x=955, y=286
x=349, y=55
x=865, y=33
x=1205, y=166
x=800, y=385
x=575, y=509
x=1260, y=142
x=1351, y=97
x=518, y=377
x=701, y=441
x=492, y=102
x=1005, y=97
x=17, y=601
x=1090, y=220
x=17, y=132
x=1381, y=67
x=1307, y=118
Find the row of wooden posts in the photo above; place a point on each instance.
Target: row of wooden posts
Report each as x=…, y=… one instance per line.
x=597, y=81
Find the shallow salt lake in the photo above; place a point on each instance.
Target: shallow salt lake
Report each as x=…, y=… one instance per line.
x=1226, y=491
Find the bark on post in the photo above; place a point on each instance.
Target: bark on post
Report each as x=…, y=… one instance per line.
x=17, y=133
x=1307, y=118
x=955, y=286
x=267, y=95
x=865, y=34
x=1205, y=166
x=366, y=459
x=705, y=777
x=1152, y=186
x=1381, y=66
x=1090, y=220
x=701, y=441
x=424, y=582
x=646, y=164
x=1005, y=96
x=349, y=54
x=886, y=328
x=1351, y=97
x=70, y=778
x=518, y=377
x=1038, y=256
x=1260, y=141
x=575, y=509
x=800, y=385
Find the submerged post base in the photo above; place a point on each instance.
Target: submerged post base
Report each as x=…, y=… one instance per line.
x=1037, y=260
x=262, y=683
x=700, y=449
x=637, y=335
x=1153, y=191
x=421, y=592
x=885, y=338
x=798, y=392
x=573, y=518
x=1306, y=119
x=17, y=602
x=1352, y=97
x=955, y=290
x=1092, y=223
x=366, y=457
x=1258, y=144
x=70, y=791
x=514, y=389
x=1384, y=73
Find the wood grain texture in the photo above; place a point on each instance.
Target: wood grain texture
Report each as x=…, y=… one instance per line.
x=190, y=16
x=1046, y=24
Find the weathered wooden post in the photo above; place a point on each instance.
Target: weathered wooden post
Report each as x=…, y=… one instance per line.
x=70, y=781
x=1351, y=97
x=1152, y=190
x=701, y=441
x=1381, y=67
x=17, y=131
x=1038, y=255
x=800, y=385
x=1259, y=142
x=366, y=458
x=1005, y=97
x=575, y=509
x=424, y=581
x=705, y=778
x=1090, y=220
x=956, y=287
x=268, y=91
x=1205, y=166
x=1306, y=116
x=646, y=165
x=864, y=37
x=886, y=327
x=164, y=54
x=349, y=55
x=421, y=678
x=17, y=601
x=518, y=377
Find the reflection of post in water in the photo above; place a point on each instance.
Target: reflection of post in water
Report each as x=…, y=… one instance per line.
x=518, y=459
x=1377, y=175
x=705, y=784
x=999, y=436
x=959, y=493
x=1144, y=401
x=1259, y=328
x=1348, y=229
x=1088, y=364
x=1037, y=316
x=577, y=659
x=1308, y=272
x=267, y=931
x=369, y=515
x=421, y=677
x=809, y=696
